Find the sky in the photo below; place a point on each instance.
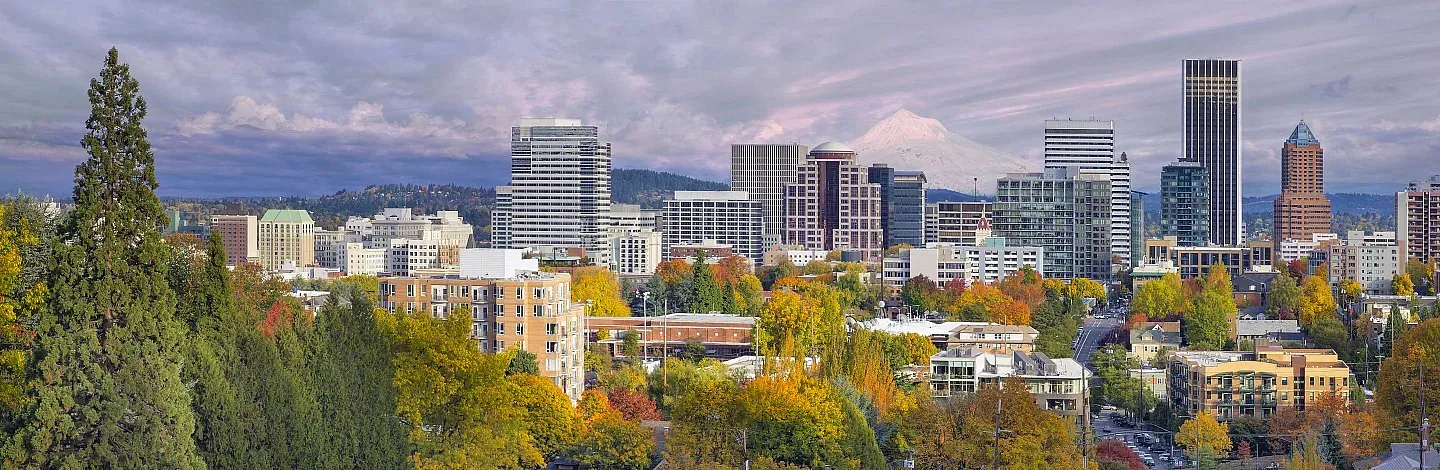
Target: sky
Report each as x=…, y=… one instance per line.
x=307, y=97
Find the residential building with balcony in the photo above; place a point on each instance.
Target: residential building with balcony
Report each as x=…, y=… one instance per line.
x=1231, y=384
x=1058, y=385
x=943, y=263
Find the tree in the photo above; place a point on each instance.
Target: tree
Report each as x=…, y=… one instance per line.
x=705, y=294
x=1330, y=333
x=1204, y=433
x=1112, y=454
x=817, y=267
x=350, y=353
x=1208, y=324
x=548, y=417
x=1088, y=288
x=630, y=344
x=748, y=295
x=1422, y=275
x=1398, y=387
x=106, y=368
x=455, y=400
x=1402, y=285
x=1161, y=298
x=634, y=405
x=1306, y=456
x=694, y=350
x=609, y=442
x=1351, y=290
x=1284, y=298
x=1024, y=285
x=1317, y=300
x=600, y=290
x=1298, y=268
x=25, y=232
x=921, y=293
x=522, y=362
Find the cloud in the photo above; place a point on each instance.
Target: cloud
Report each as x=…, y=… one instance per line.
x=316, y=95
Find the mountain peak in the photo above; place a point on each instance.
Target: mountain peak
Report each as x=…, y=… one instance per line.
x=904, y=125
x=908, y=141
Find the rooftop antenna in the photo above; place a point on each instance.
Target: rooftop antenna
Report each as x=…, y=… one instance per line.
x=975, y=189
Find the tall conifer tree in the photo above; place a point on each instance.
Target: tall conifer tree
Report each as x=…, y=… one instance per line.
x=107, y=358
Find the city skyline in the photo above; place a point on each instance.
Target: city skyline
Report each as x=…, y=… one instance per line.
x=305, y=100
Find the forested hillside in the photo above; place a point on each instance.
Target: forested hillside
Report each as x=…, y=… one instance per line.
x=650, y=188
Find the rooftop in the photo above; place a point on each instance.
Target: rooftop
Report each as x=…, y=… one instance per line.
x=286, y=215
x=832, y=147
x=1265, y=327
x=1302, y=136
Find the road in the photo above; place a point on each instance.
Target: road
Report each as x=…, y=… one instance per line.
x=1091, y=333
x=1107, y=428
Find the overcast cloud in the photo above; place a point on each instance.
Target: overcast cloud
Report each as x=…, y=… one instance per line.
x=310, y=96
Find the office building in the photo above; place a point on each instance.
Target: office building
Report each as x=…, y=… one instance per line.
x=1371, y=259
x=500, y=218
x=636, y=252
x=1137, y=228
x=559, y=192
x=630, y=218
x=943, y=263
x=1212, y=138
x=1302, y=209
x=241, y=236
x=993, y=338
x=1090, y=146
x=902, y=204
x=1291, y=249
x=727, y=217
x=286, y=239
x=763, y=171
x=1063, y=211
x=1417, y=220
x=1195, y=261
x=958, y=223
x=778, y=254
x=1185, y=203
x=832, y=205
x=1058, y=385
x=932, y=223
x=528, y=310
x=1232, y=384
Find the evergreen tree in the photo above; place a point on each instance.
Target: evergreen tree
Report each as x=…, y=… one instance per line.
x=707, y=296
x=351, y=363
x=107, y=359
x=205, y=300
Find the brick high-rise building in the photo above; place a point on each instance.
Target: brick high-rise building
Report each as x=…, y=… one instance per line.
x=240, y=234
x=832, y=205
x=1302, y=209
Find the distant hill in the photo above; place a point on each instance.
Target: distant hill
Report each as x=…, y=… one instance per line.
x=1340, y=203
x=649, y=188
x=1349, y=211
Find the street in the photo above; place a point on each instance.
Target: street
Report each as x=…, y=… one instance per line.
x=1093, y=330
x=1091, y=333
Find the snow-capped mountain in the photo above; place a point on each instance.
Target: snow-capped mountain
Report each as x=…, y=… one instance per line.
x=907, y=141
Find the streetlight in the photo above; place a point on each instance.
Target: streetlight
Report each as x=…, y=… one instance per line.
x=644, y=303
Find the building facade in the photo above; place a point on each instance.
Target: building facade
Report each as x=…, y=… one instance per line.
x=1148, y=338
x=902, y=204
x=763, y=171
x=1137, y=228
x=943, y=263
x=1212, y=138
x=1058, y=385
x=958, y=223
x=530, y=311
x=241, y=236
x=1371, y=259
x=1064, y=212
x=727, y=217
x=1185, y=203
x=1090, y=146
x=1417, y=220
x=722, y=336
x=1301, y=210
x=832, y=205
x=286, y=237
x=559, y=192
x=1231, y=384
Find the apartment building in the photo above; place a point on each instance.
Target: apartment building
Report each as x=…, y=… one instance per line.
x=1058, y=385
x=958, y=223
x=636, y=252
x=1064, y=211
x=988, y=337
x=1371, y=259
x=1195, y=261
x=1231, y=384
x=1185, y=203
x=1290, y=249
x=1417, y=220
x=832, y=205
x=529, y=310
x=1089, y=144
x=972, y=263
x=286, y=238
x=241, y=235
x=727, y=217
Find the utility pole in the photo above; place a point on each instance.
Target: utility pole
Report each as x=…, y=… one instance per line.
x=1424, y=416
x=995, y=463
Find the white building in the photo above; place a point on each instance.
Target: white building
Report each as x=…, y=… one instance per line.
x=636, y=252
x=958, y=223
x=355, y=258
x=1090, y=146
x=495, y=263
x=404, y=256
x=559, y=192
x=445, y=227
x=631, y=218
x=327, y=247
x=1058, y=385
x=286, y=239
x=972, y=263
x=763, y=171
x=727, y=217
x=1372, y=259
x=1291, y=249
x=797, y=256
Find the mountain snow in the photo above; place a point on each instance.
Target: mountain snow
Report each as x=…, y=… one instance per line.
x=907, y=141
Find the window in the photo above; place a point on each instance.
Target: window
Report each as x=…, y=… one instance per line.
x=519, y=310
x=519, y=328
x=499, y=329
x=552, y=346
x=539, y=293
x=519, y=292
x=499, y=345
x=410, y=290
x=552, y=329
x=539, y=310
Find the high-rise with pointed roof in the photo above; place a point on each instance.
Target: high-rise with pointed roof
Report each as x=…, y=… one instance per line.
x=1302, y=208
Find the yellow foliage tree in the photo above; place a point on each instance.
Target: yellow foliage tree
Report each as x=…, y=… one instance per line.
x=18, y=301
x=1316, y=301
x=1204, y=433
x=601, y=288
x=1088, y=288
x=1161, y=298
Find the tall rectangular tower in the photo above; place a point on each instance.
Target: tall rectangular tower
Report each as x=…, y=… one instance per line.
x=1063, y=211
x=763, y=170
x=1301, y=210
x=1417, y=221
x=559, y=192
x=1212, y=126
x=833, y=205
x=1185, y=203
x=1090, y=146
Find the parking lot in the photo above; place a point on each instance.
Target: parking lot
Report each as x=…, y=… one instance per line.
x=1150, y=442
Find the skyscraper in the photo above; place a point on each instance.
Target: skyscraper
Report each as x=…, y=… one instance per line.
x=726, y=217
x=1185, y=203
x=1417, y=220
x=902, y=204
x=1090, y=146
x=1212, y=138
x=559, y=192
x=763, y=170
x=286, y=238
x=1065, y=212
x=1137, y=227
x=1302, y=209
x=832, y=205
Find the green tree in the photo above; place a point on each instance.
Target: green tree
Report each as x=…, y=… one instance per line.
x=222, y=430
x=630, y=345
x=706, y=296
x=107, y=357
x=351, y=353
x=522, y=362
x=1330, y=333
x=1284, y=298
x=921, y=293
x=1161, y=298
x=25, y=235
x=1208, y=324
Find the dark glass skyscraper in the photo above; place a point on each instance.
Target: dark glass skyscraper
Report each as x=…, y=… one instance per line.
x=1212, y=139
x=902, y=204
x=1185, y=203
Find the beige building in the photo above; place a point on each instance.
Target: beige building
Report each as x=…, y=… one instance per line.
x=1231, y=384
x=241, y=236
x=987, y=337
x=1147, y=339
x=287, y=236
x=530, y=311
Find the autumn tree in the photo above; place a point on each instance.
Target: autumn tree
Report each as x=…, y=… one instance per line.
x=634, y=405
x=1208, y=324
x=1350, y=290
x=1284, y=298
x=25, y=232
x=106, y=366
x=606, y=440
x=1204, y=434
x=599, y=289
x=1161, y=298
x=1316, y=299
x=1024, y=285
x=921, y=293
x=1088, y=288
x=1112, y=454
x=1402, y=285
x=1398, y=387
